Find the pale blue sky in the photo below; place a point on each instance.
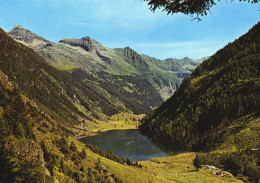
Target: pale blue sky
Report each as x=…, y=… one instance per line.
x=121, y=23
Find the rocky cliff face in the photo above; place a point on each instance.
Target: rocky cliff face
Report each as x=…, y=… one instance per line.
x=131, y=54
x=181, y=68
x=86, y=43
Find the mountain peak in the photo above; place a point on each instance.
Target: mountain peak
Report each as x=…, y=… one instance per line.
x=86, y=43
x=128, y=49
x=130, y=53
x=26, y=36
x=87, y=38
x=17, y=26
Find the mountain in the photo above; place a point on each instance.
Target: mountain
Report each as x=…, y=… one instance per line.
x=37, y=113
x=127, y=79
x=40, y=109
x=52, y=91
x=39, y=106
x=218, y=100
x=180, y=68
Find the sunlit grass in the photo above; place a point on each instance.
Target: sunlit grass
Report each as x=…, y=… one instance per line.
x=180, y=168
x=122, y=121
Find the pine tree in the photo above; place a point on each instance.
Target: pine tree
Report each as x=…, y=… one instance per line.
x=83, y=154
x=64, y=146
x=73, y=146
x=7, y=167
x=197, y=162
x=19, y=130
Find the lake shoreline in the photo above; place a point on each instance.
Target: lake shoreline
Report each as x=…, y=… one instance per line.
x=102, y=131
x=127, y=143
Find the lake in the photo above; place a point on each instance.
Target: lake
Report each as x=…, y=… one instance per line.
x=127, y=143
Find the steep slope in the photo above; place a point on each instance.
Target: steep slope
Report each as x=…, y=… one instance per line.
x=223, y=88
x=202, y=112
x=126, y=78
x=17, y=138
x=24, y=155
x=53, y=91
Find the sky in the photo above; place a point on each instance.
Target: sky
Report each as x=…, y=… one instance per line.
x=121, y=23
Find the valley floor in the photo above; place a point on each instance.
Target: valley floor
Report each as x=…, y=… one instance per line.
x=177, y=168
x=122, y=121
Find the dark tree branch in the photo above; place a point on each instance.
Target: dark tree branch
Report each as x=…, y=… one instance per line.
x=188, y=7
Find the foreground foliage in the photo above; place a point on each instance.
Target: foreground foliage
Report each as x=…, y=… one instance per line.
x=188, y=7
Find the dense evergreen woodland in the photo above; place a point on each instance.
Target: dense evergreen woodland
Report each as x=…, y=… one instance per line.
x=202, y=111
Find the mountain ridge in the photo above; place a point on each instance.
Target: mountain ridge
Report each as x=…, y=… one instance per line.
x=43, y=83
x=93, y=61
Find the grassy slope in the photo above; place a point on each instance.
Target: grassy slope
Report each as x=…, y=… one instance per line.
x=243, y=133
x=123, y=172
x=180, y=168
x=238, y=149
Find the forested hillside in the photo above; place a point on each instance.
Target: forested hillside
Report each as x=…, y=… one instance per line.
x=202, y=112
x=37, y=149
x=26, y=138
x=16, y=138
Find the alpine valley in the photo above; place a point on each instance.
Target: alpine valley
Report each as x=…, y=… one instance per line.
x=51, y=94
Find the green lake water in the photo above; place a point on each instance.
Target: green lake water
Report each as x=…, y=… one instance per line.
x=127, y=143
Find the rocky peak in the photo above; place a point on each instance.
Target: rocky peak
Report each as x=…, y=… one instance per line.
x=86, y=43
x=134, y=58
x=17, y=26
x=129, y=53
x=21, y=34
